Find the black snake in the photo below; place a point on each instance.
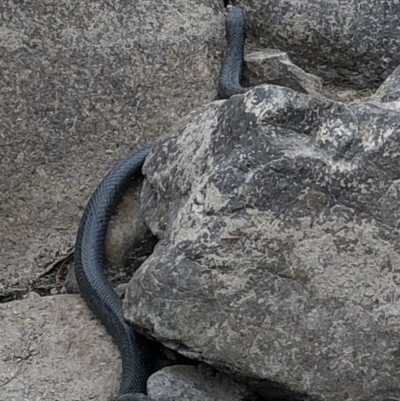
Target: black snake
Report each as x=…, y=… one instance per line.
x=135, y=349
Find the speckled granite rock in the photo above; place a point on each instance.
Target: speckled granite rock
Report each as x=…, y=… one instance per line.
x=389, y=91
x=351, y=41
x=195, y=383
x=52, y=348
x=82, y=83
x=277, y=214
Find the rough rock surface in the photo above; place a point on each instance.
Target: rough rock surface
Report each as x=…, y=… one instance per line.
x=128, y=237
x=52, y=348
x=82, y=84
x=350, y=41
x=195, y=383
x=277, y=217
x=275, y=67
x=389, y=91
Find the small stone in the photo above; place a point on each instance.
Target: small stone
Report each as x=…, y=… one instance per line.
x=195, y=383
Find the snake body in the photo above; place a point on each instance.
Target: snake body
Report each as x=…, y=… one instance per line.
x=135, y=349
x=231, y=70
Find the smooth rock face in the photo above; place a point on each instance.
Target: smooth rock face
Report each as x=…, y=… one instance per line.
x=82, y=84
x=52, y=348
x=195, y=383
x=347, y=41
x=277, y=217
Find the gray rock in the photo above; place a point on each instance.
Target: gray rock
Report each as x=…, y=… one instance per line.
x=353, y=42
x=128, y=238
x=275, y=67
x=389, y=91
x=195, y=383
x=52, y=348
x=81, y=85
x=389, y=396
x=277, y=217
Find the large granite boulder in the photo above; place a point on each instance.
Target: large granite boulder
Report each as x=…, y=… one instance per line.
x=82, y=84
x=277, y=217
x=353, y=42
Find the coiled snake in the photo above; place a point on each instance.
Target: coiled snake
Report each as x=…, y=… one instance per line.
x=136, y=353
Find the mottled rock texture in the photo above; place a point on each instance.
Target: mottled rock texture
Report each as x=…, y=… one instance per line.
x=389, y=91
x=354, y=42
x=277, y=217
x=128, y=236
x=52, y=348
x=81, y=84
x=195, y=383
x=275, y=67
